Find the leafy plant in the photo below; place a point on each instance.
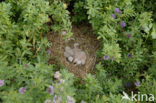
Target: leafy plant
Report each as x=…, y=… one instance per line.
x=126, y=60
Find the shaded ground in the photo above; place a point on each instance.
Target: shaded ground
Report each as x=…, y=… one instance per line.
x=88, y=43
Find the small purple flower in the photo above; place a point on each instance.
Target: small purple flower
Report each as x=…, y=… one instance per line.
x=50, y=90
x=137, y=83
x=47, y=101
x=26, y=65
x=117, y=10
x=1, y=83
x=114, y=16
x=64, y=33
x=48, y=51
x=57, y=75
x=130, y=55
x=122, y=24
x=22, y=90
x=57, y=99
x=83, y=101
x=70, y=99
x=62, y=80
x=54, y=99
x=128, y=35
x=106, y=57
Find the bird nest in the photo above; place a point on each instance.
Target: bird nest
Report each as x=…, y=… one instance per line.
x=87, y=42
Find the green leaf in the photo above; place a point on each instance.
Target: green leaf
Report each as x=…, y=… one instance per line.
x=153, y=32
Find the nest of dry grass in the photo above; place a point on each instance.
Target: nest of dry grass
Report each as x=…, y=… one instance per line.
x=88, y=43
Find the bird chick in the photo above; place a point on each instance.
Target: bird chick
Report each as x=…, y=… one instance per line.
x=69, y=53
x=75, y=55
x=79, y=55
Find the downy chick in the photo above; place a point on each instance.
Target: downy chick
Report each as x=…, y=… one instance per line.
x=69, y=53
x=79, y=56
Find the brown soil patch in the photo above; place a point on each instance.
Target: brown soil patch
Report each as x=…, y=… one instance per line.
x=88, y=43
